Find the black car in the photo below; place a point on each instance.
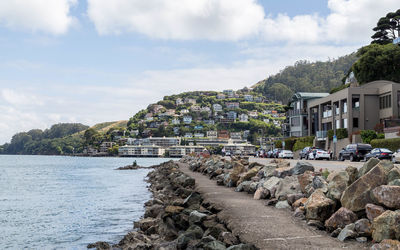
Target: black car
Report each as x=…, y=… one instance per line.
x=355, y=152
x=380, y=153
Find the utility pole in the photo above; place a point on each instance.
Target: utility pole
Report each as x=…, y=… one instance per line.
x=334, y=131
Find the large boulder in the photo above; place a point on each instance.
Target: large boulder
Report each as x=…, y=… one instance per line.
x=193, y=201
x=389, y=196
x=238, y=168
x=288, y=185
x=214, y=245
x=367, y=166
x=261, y=193
x=386, y=226
x=304, y=180
x=282, y=205
x=271, y=183
x=337, y=183
x=363, y=227
x=282, y=172
x=249, y=174
x=268, y=170
x=357, y=195
x=301, y=167
x=196, y=217
x=340, y=219
x=373, y=211
x=348, y=232
x=394, y=174
x=394, y=182
x=386, y=245
x=243, y=186
x=353, y=174
x=319, y=207
x=320, y=183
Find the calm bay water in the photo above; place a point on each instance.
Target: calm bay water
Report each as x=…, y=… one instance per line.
x=49, y=202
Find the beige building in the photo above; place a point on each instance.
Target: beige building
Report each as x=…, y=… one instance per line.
x=354, y=108
x=141, y=151
x=179, y=151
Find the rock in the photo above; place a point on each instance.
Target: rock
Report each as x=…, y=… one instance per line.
x=304, y=180
x=316, y=223
x=394, y=174
x=251, y=189
x=145, y=224
x=299, y=213
x=215, y=231
x=301, y=167
x=261, y=193
x=271, y=202
x=320, y=183
x=347, y=233
x=268, y=171
x=153, y=211
x=173, y=209
x=386, y=226
x=389, y=196
x=100, y=245
x=185, y=181
x=282, y=204
x=271, y=182
x=282, y=172
x=337, y=183
x=363, y=227
x=288, y=185
x=336, y=232
x=367, y=166
x=394, y=182
x=241, y=186
x=357, y=195
x=228, y=238
x=373, y=211
x=387, y=245
x=299, y=203
x=243, y=247
x=248, y=175
x=194, y=199
x=340, y=219
x=196, y=217
x=214, y=245
x=319, y=207
x=292, y=198
x=238, y=168
x=353, y=174
x=361, y=239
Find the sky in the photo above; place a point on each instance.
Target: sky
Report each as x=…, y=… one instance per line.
x=91, y=61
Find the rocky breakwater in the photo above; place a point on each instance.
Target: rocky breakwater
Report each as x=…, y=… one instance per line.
x=177, y=218
x=352, y=204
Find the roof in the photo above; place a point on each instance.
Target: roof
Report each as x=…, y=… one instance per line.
x=307, y=95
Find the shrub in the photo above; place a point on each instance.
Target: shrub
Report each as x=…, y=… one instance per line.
x=289, y=143
x=303, y=142
x=368, y=135
x=343, y=86
x=392, y=144
x=278, y=144
x=341, y=133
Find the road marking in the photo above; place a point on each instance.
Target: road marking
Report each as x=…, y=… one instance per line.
x=294, y=238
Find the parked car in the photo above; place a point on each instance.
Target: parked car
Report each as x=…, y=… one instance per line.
x=304, y=153
x=320, y=154
x=269, y=153
x=355, y=152
x=396, y=156
x=379, y=153
x=286, y=154
x=275, y=152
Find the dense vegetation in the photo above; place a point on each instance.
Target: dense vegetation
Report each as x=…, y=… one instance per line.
x=307, y=77
x=56, y=140
x=387, y=29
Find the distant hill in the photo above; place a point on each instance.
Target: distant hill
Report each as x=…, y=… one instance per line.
x=306, y=76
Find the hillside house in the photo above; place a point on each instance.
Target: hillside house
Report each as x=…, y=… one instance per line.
x=217, y=107
x=223, y=134
x=253, y=114
x=212, y=134
x=175, y=121
x=248, y=98
x=187, y=119
x=231, y=115
x=221, y=96
x=259, y=99
x=198, y=135
x=156, y=108
x=188, y=135
x=195, y=108
x=179, y=101
x=236, y=135
x=243, y=118
x=190, y=100
x=184, y=111
x=232, y=105
x=229, y=92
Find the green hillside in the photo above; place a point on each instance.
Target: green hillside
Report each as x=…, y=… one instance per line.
x=306, y=76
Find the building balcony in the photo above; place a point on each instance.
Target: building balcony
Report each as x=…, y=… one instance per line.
x=322, y=135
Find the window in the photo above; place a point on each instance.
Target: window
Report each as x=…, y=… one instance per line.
x=295, y=121
x=385, y=102
x=297, y=105
x=345, y=107
x=337, y=123
x=355, y=122
x=345, y=123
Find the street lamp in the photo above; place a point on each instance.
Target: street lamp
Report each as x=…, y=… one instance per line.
x=333, y=107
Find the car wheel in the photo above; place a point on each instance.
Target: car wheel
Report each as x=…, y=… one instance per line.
x=352, y=158
x=341, y=158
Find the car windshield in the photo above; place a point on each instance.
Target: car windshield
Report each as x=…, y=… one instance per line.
x=385, y=150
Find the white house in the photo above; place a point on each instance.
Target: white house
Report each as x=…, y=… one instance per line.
x=187, y=119
x=217, y=107
x=179, y=101
x=232, y=115
x=176, y=121
x=188, y=135
x=253, y=114
x=248, y=98
x=232, y=105
x=198, y=135
x=212, y=134
x=243, y=118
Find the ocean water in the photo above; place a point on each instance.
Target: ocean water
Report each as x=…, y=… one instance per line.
x=56, y=202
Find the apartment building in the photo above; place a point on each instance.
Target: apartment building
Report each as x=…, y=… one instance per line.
x=297, y=114
x=141, y=151
x=163, y=142
x=354, y=108
x=179, y=151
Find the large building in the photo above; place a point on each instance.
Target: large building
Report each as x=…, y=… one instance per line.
x=240, y=149
x=164, y=142
x=141, y=151
x=355, y=108
x=179, y=151
x=297, y=114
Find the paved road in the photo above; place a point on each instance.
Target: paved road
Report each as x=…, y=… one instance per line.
x=330, y=165
x=266, y=227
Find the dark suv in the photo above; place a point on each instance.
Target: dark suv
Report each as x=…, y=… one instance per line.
x=304, y=153
x=354, y=152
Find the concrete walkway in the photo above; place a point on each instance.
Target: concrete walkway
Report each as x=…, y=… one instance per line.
x=266, y=227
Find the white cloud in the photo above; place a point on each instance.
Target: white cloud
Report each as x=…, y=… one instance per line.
x=178, y=19
x=20, y=99
x=49, y=16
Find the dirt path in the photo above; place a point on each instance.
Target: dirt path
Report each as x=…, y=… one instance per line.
x=266, y=227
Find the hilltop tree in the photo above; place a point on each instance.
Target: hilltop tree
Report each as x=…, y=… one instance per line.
x=387, y=29
x=378, y=62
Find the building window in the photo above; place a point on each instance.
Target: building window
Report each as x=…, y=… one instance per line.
x=295, y=121
x=345, y=123
x=385, y=102
x=356, y=102
x=355, y=122
x=345, y=107
x=337, y=123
